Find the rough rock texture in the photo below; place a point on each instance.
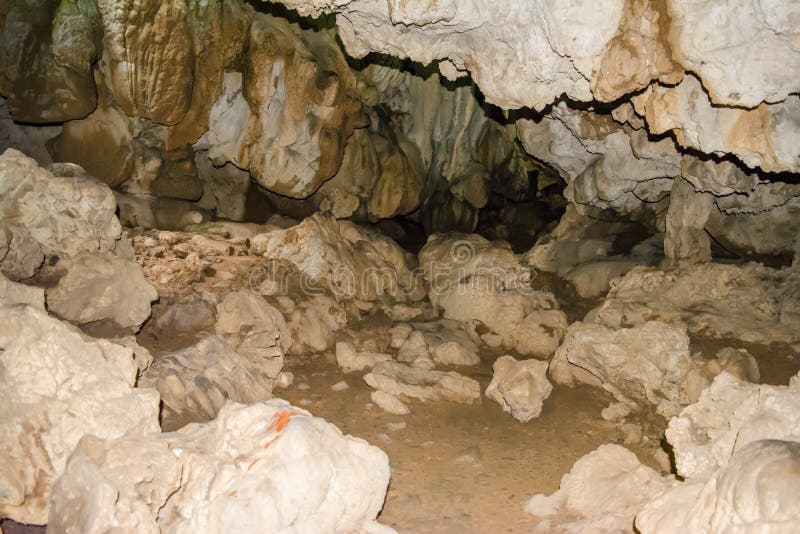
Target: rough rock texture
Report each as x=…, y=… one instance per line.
x=263, y=467
x=585, y=50
x=472, y=279
x=343, y=258
x=751, y=302
x=254, y=329
x=646, y=364
x=96, y=287
x=602, y=493
x=351, y=360
x=729, y=415
x=424, y=384
x=442, y=342
x=198, y=380
x=14, y=293
x=520, y=387
x=57, y=386
x=754, y=492
x=65, y=211
x=389, y=403
x=312, y=322
x=20, y=253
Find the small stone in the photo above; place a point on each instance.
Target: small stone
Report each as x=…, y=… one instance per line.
x=303, y=386
x=394, y=427
x=284, y=380
x=340, y=386
x=615, y=412
x=389, y=403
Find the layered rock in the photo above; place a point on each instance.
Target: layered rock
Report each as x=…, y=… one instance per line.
x=751, y=302
x=197, y=381
x=57, y=386
x=400, y=380
x=278, y=466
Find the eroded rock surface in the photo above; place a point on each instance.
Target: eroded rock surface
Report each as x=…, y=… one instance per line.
x=424, y=384
x=57, y=386
x=520, y=387
x=278, y=466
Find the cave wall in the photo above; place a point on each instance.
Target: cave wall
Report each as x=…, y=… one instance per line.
x=683, y=116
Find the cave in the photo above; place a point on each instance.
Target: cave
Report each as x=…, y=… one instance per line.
x=399, y=266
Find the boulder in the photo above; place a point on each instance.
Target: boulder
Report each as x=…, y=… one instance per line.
x=255, y=329
x=424, y=384
x=729, y=415
x=755, y=492
x=101, y=287
x=749, y=302
x=649, y=364
x=265, y=467
x=520, y=387
x=64, y=210
x=344, y=259
x=312, y=322
x=14, y=293
x=189, y=314
x=57, y=386
x=602, y=493
x=20, y=254
x=196, y=382
x=472, y=279
x=351, y=360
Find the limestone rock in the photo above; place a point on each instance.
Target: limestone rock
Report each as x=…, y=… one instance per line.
x=756, y=491
x=296, y=117
x=520, y=387
x=29, y=139
x=473, y=279
x=603, y=492
x=646, y=364
x=65, y=213
x=20, y=254
x=46, y=56
x=312, y=322
x=403, y=381
x=749, y=302
x=14, y=293
x=389, y=403
x=255, y=329
x=593, y=279
x=442, y=342
x=101, y=287
x=191, y=314
x=57, y=386
x=198, y=380
x=280, y=468
x=345, y=259
x=729, y=415
x=351, y=360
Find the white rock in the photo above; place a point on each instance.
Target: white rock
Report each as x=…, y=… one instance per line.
x=342, y=385
x=755, y=492
x=453, y=353
x=266, y=467
x=284, y=380
x=190, y=314
x=255, y=329
x=101, y=287
x=198, y=380
x=58, y=385
x=602, y=493
x=65, y=214
x=616, y=411
x=520, y=387
x=313, y=323
x=350, y=360
x=401, y=380
x=389, y=403
x=729, y=415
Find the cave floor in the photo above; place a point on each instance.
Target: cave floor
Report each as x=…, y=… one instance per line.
x=457, y=467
